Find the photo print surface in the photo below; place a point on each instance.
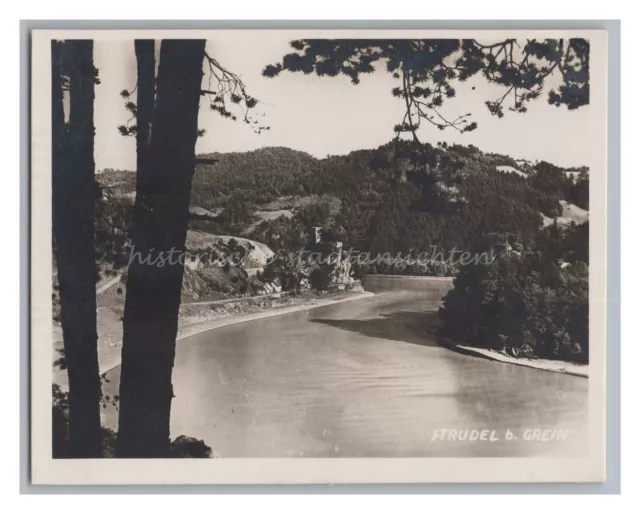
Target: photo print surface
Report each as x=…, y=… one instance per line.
x=287, y=246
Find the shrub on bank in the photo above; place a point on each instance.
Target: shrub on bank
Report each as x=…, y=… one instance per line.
x=320, y=278
x=522, y=304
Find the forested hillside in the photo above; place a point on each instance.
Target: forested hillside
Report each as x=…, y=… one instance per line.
x=390, y=199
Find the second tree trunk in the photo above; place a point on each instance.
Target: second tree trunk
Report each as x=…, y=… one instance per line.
x=161, y=215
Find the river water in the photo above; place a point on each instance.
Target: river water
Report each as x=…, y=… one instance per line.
x=365, y=378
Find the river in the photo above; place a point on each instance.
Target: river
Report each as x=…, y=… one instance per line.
x=364, y=379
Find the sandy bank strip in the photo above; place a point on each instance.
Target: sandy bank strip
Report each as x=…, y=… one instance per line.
x=568, y=368
x=204, y=326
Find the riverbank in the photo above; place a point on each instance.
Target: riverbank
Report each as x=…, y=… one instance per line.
x=555, y=366
x=198, y=317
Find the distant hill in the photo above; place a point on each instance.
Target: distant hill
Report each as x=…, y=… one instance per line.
x=391, y=198
x=259, y=176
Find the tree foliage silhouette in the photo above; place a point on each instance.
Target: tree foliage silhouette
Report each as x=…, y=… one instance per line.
x=428, y=69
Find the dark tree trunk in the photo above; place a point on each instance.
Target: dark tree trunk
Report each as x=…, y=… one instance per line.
x=161, y=215
x=74, y=195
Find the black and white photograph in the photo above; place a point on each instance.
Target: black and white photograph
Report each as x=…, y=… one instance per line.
x=344, y=255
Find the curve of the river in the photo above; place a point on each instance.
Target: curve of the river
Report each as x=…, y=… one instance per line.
x=364, y=379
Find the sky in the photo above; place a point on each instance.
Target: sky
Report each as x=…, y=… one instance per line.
x=329, y=115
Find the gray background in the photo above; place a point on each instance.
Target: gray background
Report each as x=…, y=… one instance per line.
x=611, y=486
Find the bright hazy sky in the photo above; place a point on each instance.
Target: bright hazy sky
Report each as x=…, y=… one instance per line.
x=323, y=115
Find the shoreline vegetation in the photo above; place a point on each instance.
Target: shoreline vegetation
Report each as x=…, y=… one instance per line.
x=437, y=331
